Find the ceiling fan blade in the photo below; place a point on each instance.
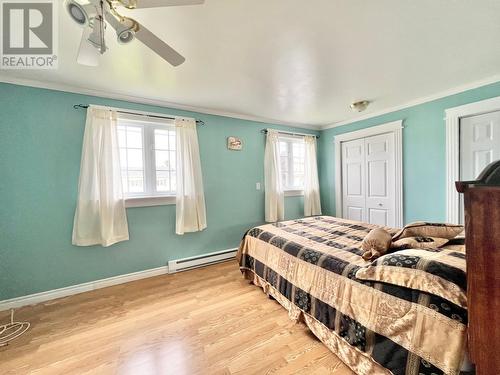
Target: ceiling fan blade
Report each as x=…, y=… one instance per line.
x=159, y=46
x=87, y=54
x=139, y=4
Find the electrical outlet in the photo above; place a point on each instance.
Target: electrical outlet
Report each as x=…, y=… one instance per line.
x=257, y=185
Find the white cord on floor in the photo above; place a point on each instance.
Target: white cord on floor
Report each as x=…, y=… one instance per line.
x=12, y=330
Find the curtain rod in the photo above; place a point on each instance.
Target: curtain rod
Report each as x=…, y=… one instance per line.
x=290, y=133
x=85, y=106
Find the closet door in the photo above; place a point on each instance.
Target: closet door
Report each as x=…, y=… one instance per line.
x=380, y=179
x=369, y=180
x=479, y=146
x=353, y=180
x=479, y=143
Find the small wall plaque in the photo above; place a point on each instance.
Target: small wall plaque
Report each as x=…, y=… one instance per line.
x=234, y=144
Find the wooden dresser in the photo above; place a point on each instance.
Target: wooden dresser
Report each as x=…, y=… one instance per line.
x=482, y=243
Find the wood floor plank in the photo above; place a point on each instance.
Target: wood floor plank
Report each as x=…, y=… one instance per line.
x=204, y=321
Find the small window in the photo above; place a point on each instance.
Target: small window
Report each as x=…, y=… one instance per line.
x=147, y=158
x=292, y=163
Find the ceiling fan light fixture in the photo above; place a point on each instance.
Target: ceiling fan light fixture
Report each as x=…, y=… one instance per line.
x=77, y=12
x=360, y=106
x=88, y=54
x=126, y=36
x=126, y=31
x=95, y=15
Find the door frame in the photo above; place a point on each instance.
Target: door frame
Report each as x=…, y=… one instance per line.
x=395, y=127
x=453, y=116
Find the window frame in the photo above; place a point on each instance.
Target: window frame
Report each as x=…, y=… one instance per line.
x=151, y=197
x=291, y=191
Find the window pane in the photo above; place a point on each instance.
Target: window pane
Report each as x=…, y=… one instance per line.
x=134, y=158
x=284, y=180
x=162, y=181
x=134, y=137
x=298, y=149
x=298, y=181
x=162, y=160
x=131, y=140
x=136, y=181
x=173, y=181
x=171, y=135
x=283, y=148
x=161, y=139
x=172, y=160
x=122, y=141
x=298, y=165
x=284, y=163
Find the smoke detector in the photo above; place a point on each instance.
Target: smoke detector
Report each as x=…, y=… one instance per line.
x=360, y=106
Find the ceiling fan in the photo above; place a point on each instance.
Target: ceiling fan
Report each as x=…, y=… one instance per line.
x=95, y=15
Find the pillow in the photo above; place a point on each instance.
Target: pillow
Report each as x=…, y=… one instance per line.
x=376, y=243
x=423, y=229
x=439, y=273
x=419, y=243
x=456, y=244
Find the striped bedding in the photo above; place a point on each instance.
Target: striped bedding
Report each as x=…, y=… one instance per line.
x=309, y=266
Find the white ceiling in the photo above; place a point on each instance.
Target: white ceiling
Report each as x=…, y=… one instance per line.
x=293, y=61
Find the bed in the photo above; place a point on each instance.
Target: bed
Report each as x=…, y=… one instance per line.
x=310, y=265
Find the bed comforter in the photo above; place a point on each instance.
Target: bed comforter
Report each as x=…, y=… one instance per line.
x=309, y=267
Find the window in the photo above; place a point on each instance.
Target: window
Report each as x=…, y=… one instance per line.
x=292, y=163
x=147, y=160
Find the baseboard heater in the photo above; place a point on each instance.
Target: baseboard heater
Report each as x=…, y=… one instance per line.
x=200, y=260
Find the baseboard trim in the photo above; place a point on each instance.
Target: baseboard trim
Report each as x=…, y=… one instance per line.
x=33, y=299
x=49, y=295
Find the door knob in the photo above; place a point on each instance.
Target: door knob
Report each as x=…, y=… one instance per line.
x=380, y=204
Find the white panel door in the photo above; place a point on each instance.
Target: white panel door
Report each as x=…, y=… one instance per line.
x=479, y=143
x=369, y=180
x=479, y=146
x=353, y=180
x=380, y=179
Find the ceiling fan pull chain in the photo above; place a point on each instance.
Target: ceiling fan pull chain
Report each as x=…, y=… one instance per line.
x=101, y=25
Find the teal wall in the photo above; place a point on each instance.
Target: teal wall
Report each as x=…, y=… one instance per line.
x=424, y=154
x=40, y=145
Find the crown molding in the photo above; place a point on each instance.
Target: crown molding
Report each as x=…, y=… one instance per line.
x=207, y=111
x=422, y=100
x=154, y=102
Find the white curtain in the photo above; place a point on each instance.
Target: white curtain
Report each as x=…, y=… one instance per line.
x=274, y=196
x=100, y=217
x=190, y=202
x=312, y=203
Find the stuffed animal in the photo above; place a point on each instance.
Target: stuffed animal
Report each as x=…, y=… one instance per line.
x=376, y=243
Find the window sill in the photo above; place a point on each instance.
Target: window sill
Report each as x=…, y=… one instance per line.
x=294, y=193
x=149, y=201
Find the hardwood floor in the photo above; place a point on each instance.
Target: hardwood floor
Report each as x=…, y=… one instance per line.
x=204, y=321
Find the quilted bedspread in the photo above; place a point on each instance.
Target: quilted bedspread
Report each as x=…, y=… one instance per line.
x=309, y=266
